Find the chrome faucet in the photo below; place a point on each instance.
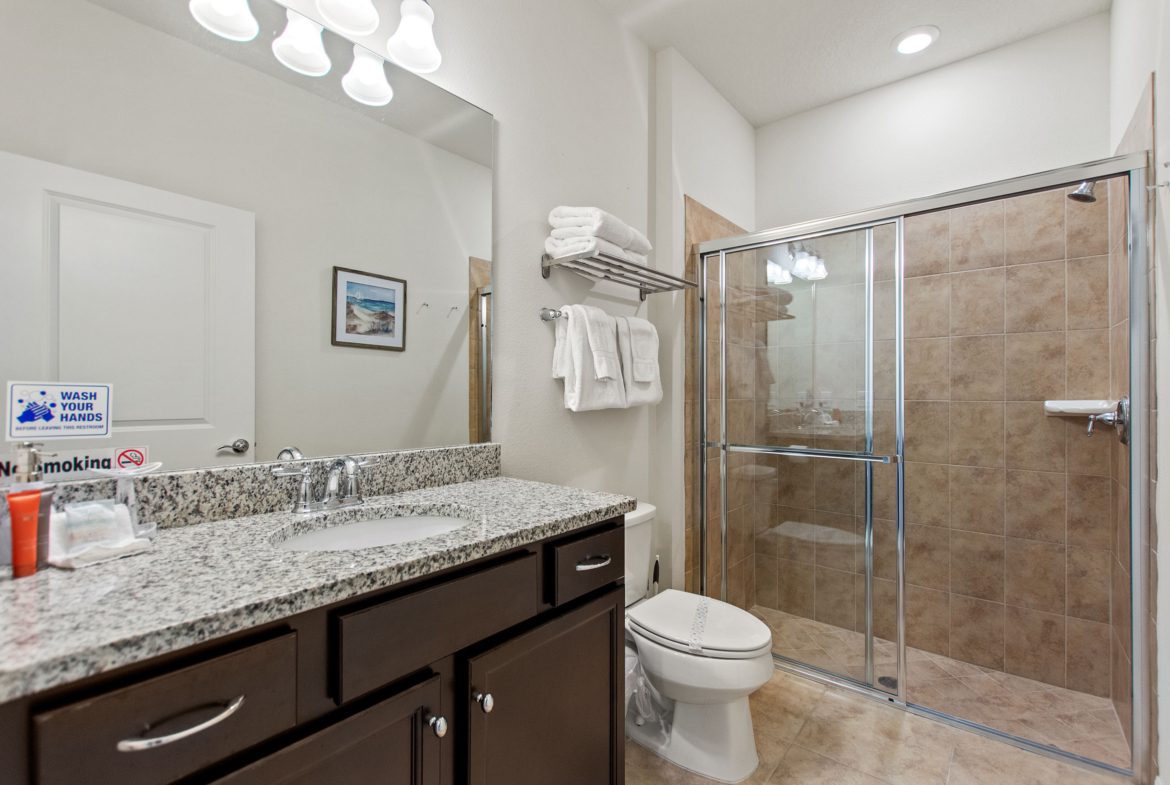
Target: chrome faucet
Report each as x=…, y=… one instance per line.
x=342, y=485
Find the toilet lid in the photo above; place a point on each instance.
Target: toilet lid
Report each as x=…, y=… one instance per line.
x=699, y=625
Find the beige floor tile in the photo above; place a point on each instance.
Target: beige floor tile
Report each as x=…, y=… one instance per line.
x=895, y=746
x=645, y=768
x=804, y=767
x=780, y=707
x=847, y=739
x=1073, y=721
x=980, y=761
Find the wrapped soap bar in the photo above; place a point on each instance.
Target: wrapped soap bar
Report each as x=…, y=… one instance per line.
x=87, y=533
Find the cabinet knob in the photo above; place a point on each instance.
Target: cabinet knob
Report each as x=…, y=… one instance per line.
x=485, y=701
x=438, y=725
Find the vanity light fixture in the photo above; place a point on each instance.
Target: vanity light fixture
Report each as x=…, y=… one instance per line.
x=413, y=44
x=352, y=17
x=300, y=47
x=366, y=81
x=230, y=19
x=916, y=39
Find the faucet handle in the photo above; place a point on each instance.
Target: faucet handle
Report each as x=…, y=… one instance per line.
x=304, y=501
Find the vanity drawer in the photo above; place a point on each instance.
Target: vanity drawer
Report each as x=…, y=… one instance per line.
x=579, y=566
x=194, y=716
x=385, y=642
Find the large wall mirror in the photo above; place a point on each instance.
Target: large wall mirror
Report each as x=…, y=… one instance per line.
x=245, y=253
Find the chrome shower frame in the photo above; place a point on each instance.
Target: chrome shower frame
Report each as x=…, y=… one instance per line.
x=715, y=252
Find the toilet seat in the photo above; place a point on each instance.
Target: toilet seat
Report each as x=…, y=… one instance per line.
x=699, y=626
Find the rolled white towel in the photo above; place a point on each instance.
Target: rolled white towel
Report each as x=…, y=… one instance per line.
x=590, y=245
x=594, y=222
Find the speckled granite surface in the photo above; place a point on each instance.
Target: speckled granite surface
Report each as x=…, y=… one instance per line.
x=201, y=495
x=203, y=581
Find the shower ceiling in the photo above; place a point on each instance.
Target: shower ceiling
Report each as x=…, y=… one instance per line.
x=771, y=59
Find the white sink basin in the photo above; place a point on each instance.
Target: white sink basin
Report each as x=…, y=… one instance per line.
x=374, y=533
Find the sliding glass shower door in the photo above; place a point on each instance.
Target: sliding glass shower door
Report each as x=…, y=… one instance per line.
x=807, y=434
x=926, y=435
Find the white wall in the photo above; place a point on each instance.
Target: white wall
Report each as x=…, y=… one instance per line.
x=1034, y=105
x=570, y=90
x=198, y=124
x=703, y=148
x=1134, y=36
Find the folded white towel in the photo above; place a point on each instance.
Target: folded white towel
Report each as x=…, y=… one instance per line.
x=595, y=222
x=590, y=245
x=638, y=346
x=584, y=391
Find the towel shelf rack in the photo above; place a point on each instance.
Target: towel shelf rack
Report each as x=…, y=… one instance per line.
x=600, y=267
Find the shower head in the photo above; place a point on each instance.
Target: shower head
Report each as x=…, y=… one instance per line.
x=1084, y=192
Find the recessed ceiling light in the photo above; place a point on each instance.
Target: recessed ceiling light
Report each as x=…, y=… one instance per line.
x=916, y=39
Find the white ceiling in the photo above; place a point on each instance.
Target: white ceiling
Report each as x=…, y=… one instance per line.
x=774, y=58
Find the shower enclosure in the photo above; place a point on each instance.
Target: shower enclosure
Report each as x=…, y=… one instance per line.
x=882, y=479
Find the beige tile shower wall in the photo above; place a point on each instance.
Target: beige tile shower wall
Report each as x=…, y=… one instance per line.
x=1009, y=539
x=702, y=224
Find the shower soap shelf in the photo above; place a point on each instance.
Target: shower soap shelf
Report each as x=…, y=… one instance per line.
x=600, y=267
x=1079, y=408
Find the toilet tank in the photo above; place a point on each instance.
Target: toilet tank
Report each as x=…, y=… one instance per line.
x=639, y=531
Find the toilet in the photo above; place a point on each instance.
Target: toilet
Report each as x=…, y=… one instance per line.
x=703, y=657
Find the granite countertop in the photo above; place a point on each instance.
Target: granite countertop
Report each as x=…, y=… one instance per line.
x=207, y=580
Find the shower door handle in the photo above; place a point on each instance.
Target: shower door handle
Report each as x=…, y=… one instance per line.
x=833, y=455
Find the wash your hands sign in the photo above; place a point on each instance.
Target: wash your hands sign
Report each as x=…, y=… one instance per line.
x=57, y=410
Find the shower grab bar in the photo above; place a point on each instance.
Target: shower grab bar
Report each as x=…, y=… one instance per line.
x=835, y=455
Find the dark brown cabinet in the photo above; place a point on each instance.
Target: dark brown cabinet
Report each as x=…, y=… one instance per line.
x=379, y=689
x=394, y=742
x=545, y=706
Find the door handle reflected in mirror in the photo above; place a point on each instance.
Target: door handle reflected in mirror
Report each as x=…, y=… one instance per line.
x=239, y=446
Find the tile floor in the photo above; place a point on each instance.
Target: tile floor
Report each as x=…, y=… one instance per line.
x=810, y=734
x=1073, y=721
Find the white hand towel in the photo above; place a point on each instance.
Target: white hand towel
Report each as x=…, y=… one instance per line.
x=562, y=363
x=602, y=331
x=583, y=390
x=590, y=245
x=638, y=346
x=598, y=223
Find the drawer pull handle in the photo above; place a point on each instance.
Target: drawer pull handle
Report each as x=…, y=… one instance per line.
x=485, y=701
x=137, y=745
x=438, y=725
x=594, y=562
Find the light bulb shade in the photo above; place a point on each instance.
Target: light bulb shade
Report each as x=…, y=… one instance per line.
x=804, y=265
x=230, y=19
x=777, y=275
x=300, y=47
x=366, y=81
x=413, y=44
x=351, y=17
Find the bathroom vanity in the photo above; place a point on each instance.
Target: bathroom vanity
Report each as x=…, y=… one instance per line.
x=488, y=656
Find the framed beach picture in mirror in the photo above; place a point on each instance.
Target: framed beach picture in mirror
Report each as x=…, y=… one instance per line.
x=369, y=310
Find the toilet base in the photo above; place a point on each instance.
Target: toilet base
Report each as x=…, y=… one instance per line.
x=714, y=740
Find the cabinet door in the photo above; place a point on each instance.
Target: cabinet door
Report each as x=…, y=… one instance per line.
x=390, y=743
x=555, y=709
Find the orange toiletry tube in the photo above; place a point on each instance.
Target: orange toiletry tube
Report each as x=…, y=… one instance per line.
x=24, y=509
